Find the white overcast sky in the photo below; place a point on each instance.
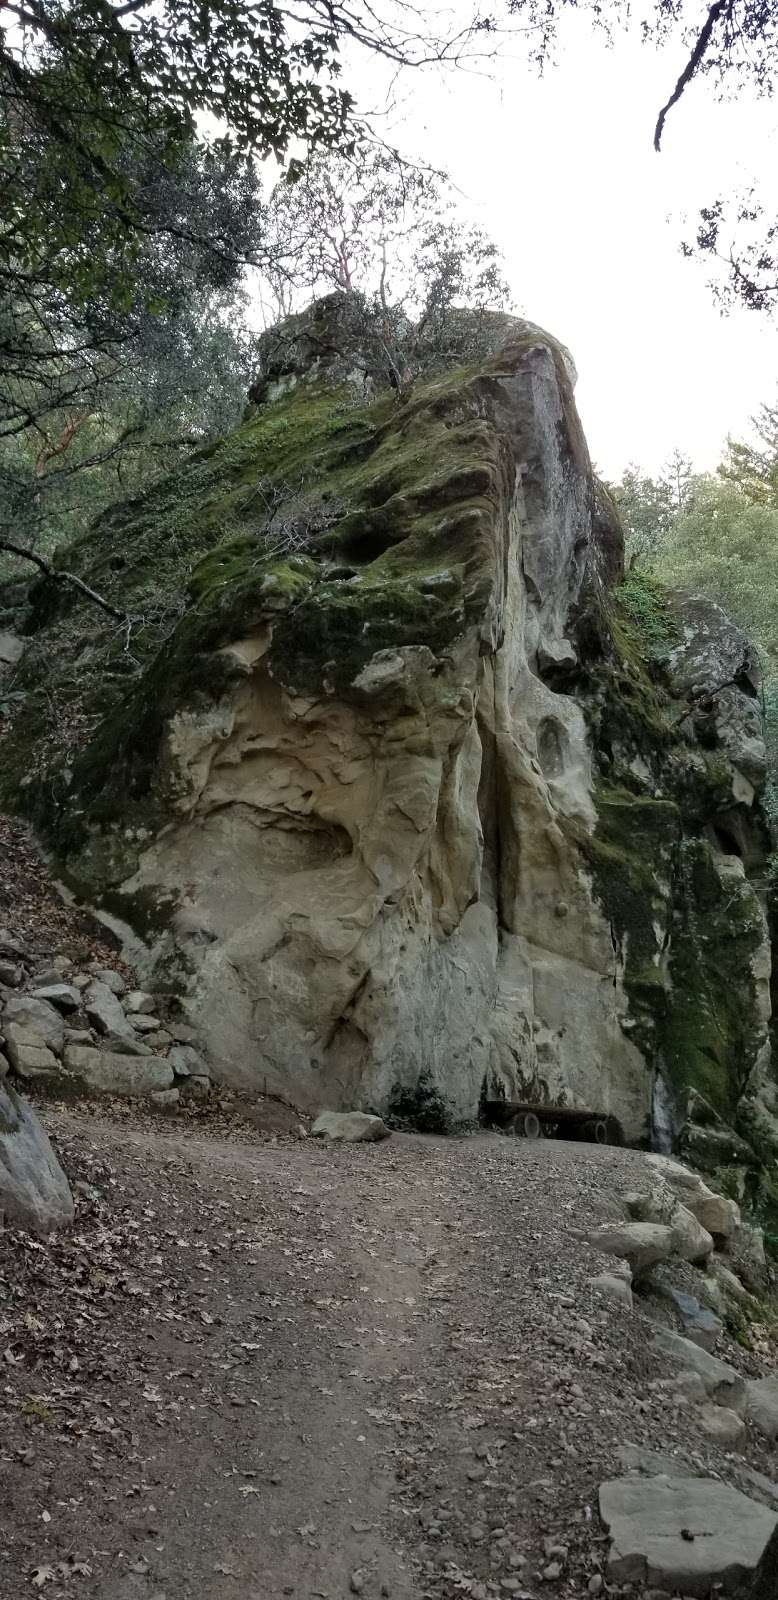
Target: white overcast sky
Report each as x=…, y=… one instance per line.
x=561, y=171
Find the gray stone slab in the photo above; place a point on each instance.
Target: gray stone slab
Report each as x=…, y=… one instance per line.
x=762, y=1405
x=34, y=1192
x=109, y=1073
x=722, y=1383
x=37, y=1015
x=684, y=1535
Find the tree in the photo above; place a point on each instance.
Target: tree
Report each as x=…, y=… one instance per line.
x=92, y=87
x=754, y=466
x=733, y=44
x=649, y=506
x=103, y=391
x=726, y=546
x=390, y=236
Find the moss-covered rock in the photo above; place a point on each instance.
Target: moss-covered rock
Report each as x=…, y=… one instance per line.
x=415, y=792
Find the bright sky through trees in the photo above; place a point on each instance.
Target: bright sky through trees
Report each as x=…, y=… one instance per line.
x=562, y=172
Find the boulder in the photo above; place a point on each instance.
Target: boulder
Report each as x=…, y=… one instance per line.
x=109, y=978
x=109, y=1073
x=138, y=1001
x=187, y=1062
x=166, y=1099
x=642, y=1244
x=613, y=1287
x=28, y=1052
x=722, y=1383
x=723, y=1426
x=354, y=1127
x=684, y=1535
x=61, y=995
x=654, y=1463
x=765, y=1584
x=716, y=1213
x=691, y=1241
x=105, y=1011
x=762, y=1404
x=126, y=1044
x=143, y=1023
x=699, y=1324
x=5, y=1065
x=727, y=1281
x=11, y=974
x=38, y=1015
x=34, y=1192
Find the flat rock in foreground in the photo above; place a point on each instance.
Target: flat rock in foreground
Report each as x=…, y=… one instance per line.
x=684, y=1535
x=34, y=1192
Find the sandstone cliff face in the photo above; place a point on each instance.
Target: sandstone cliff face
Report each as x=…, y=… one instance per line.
x=416, y=801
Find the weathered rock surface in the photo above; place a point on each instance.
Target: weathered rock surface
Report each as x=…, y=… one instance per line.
x=762, y=1405
x=722, y=1425
x=722, y=1383
x=36, y=1016
x=61, y=995
x=642, y=1244
x=353, y=1127
x=106, y=1012
x=28, y=1052
x=110, y=1073
x=34, y=1192
x=700, y=1325
x=684, y=1535
x=415, y=806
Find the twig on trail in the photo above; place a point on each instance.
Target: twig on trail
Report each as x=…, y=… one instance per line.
x=57, y=575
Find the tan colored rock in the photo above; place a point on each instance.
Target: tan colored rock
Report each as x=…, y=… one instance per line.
x=690, y=1240
x=353, y=1127
x=642, y=1244
x=725, y=1427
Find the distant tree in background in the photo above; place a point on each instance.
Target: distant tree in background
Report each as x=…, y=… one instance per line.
x=722, y=541
x=649, y=506
x=754, y=467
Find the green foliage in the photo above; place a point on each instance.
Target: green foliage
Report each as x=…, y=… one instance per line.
x=643, y=600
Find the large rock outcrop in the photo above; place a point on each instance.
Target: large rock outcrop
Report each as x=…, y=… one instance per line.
x=398, y=781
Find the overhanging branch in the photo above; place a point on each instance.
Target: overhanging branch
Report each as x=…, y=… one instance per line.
x=57, y=575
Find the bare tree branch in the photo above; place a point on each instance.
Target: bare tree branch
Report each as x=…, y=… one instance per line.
x=719, y=9
x=58, y=576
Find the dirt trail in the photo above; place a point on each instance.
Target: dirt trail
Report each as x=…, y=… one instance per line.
x=260, y=1370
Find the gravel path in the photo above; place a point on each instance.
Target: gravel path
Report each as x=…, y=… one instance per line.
x=261, y=1368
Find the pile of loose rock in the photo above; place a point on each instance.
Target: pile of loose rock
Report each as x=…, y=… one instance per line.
x=680, y=1531
x=89, y=1031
